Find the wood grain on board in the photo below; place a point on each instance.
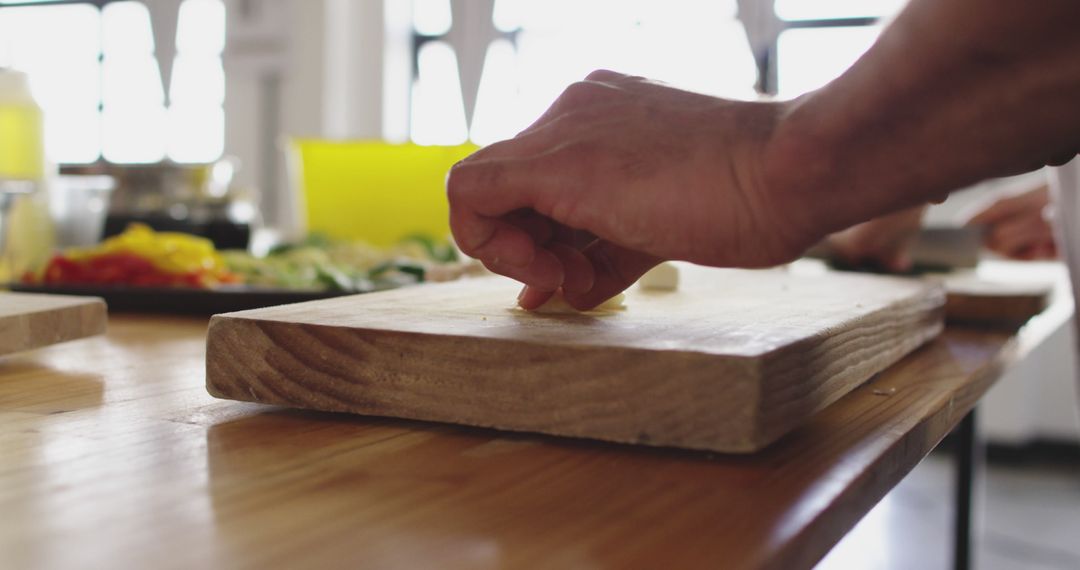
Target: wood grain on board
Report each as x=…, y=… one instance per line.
x=29, y=321
x=729, y=362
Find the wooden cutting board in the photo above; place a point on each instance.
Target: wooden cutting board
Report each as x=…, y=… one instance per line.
x=994, y=304
x=729, y=362
x=29, y=321
x=999, y=294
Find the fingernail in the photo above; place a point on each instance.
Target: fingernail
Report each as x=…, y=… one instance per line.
x=521, y=295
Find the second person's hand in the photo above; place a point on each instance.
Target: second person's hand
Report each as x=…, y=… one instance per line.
x=1018, y=227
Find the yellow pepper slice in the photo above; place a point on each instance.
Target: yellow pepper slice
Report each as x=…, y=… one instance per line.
x=171, y=252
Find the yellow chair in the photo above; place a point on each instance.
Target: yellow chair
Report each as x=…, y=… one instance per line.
x=374, y=191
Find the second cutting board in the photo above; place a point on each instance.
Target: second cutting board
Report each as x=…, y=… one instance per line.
x=29, y=321
x=729, y=362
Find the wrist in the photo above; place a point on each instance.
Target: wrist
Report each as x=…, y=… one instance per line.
x=799, y=173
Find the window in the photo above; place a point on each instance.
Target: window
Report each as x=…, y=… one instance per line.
x=808, y=58
x=820, y=39
x=197, y=92
x=536, y=49
x=819, y=10
x=101, y=87
x=65, y=75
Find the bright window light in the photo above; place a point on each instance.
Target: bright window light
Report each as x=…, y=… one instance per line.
x=507, y=15
x=196, y=132
x=201, y=28
x=197, y=93
x=438, y=113
x=101, y=90
x=127, y=29
x=197, y=79
x=73, y=134
x=498, y=100
x=133, y=99
x=827, y=9
x=810, y=58
x=432, y=17
x=692, y=44
x=64, y=76
x=134, y=134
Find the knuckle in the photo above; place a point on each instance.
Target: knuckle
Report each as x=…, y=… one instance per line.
x=464, y=179
x=602, y=75
x=578, y=92
x=455, y=181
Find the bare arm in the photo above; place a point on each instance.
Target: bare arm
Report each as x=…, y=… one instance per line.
x=621, y=173
x=955, y=91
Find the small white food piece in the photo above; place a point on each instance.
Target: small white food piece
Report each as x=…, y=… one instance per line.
x=557, y=305
x=663, y=277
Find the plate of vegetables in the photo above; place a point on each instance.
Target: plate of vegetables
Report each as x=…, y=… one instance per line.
x=147, y=271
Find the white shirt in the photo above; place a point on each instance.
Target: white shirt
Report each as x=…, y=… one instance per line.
x=1065, y=190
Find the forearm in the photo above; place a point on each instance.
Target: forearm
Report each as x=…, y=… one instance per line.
x=955, y=91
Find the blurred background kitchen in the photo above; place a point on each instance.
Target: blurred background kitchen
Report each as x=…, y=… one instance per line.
x=251, y=123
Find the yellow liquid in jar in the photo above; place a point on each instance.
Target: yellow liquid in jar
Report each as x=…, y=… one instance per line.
x=22, y=148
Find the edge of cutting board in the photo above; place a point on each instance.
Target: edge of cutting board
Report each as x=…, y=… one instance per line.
x=633, y=395
x=43, y=320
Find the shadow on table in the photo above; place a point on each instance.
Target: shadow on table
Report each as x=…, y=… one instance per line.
x=27, y=386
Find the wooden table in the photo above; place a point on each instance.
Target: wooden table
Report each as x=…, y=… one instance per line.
x=115, y=457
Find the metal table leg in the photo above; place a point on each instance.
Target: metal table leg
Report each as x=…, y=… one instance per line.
x=970, y=456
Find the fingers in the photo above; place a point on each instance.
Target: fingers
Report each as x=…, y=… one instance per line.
x=540, y=228
x=544, y=272
x=493, y=219
x=1046, y=250
x=899, y=262
x=479, y=194
x=496, y=197
x=508, y=248
x=578, y=272
x=530, y=299
x=496, y=187
x=1039, y=251
x=883, y=242
x=611, y=268
x=578, y=277
x=894, y=259
x=605, y=75
x=1034, y=200
x=996, y=212
x=1013, y=236
x=615, y=269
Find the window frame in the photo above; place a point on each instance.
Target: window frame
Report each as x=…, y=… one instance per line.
x=751, y=12
x=98, y=3
x=768, y=60
x=101, y=159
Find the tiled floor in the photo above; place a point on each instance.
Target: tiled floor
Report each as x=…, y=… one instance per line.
x=1030, y=520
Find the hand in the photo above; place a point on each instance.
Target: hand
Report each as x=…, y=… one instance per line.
x=618, y=175
x=1016, y=226
x=883, y=241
